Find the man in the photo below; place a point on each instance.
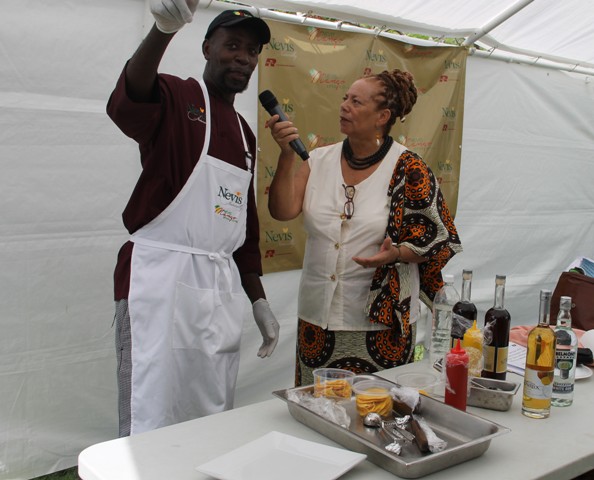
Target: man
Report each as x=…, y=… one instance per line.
x=193, y=251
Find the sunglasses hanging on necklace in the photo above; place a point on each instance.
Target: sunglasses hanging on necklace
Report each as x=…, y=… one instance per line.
x=349, y=207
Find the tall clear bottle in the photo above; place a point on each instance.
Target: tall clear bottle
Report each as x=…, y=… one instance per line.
x=464, y=312
x=441, y=328
x=565, y=356
x=496, y=334
x=540, y=364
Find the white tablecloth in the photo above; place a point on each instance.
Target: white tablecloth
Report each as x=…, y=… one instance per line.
x=560, y=447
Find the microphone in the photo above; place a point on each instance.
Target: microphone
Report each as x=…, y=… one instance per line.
x=270, y=103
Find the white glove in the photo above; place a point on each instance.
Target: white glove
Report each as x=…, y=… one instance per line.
x=268, y=326
x=171, y=15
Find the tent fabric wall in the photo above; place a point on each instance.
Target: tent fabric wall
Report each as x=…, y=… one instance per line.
x=525, y=209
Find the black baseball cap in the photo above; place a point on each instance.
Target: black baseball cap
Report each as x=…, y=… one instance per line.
x=232, y=18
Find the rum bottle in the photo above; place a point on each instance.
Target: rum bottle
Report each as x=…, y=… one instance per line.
x=496, y=335
x=540, y=364
x=565, y=356
x=464, y=311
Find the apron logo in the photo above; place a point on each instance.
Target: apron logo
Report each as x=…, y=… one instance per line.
x=232, y=200
x=225, y=214
x=236, y=198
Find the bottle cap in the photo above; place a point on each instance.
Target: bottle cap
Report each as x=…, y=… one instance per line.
x=565, y=303
x=545, y=294
x=457, y=349
x=457, y=354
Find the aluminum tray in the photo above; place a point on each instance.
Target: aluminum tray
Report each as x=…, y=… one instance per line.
x=468, y=436
x=492, y=394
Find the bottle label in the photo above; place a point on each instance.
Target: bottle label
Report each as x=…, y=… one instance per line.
x=562, y=388
x=538, y=384
x=495, y=359
x=565, y=363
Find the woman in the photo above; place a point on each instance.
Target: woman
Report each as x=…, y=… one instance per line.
x=366, y=202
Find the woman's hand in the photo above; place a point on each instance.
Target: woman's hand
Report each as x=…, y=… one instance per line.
x=283, y=133
x=387, y=254
x=390, y=253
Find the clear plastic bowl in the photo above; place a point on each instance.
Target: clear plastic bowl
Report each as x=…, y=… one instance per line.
x=333, y=383
x=373, y=396
x=424, y=382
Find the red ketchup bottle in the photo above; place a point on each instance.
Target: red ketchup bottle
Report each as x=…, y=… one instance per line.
x=456, y=377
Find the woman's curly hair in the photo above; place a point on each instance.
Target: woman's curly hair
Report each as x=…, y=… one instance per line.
x=398, y=95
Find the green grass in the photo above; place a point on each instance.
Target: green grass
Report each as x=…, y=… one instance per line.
x=69, y=474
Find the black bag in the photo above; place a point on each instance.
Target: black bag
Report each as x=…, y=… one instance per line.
x=580, y=288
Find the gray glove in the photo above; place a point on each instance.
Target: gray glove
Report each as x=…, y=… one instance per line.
x=268, y=326
x=171, y=15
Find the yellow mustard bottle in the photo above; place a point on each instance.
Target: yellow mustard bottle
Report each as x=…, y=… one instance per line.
x=473, y=344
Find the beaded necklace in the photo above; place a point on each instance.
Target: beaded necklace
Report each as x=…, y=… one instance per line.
x=363, y=163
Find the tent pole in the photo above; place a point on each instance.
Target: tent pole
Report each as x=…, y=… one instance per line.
x=543, y=63
x=495, y=22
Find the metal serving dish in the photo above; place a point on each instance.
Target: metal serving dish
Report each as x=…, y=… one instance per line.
x=492, y=394
x=468, y=436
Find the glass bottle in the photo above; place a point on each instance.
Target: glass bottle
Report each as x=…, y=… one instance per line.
x=565, y=356
x=464, y=311
x=496, y=335
x=540, y=364
x=441, y=329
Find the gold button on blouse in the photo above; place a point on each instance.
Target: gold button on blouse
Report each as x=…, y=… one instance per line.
x=336, y=246
x=333, y=277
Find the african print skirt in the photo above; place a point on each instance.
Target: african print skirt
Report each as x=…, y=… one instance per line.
x=358, y=351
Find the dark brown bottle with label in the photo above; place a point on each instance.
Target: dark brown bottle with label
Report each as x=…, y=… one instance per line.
x=463, y=312
x=496, y=335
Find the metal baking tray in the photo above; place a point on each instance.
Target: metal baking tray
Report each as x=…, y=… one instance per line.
x=468, y=436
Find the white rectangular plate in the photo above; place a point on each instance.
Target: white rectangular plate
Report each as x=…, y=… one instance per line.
x=278, y=456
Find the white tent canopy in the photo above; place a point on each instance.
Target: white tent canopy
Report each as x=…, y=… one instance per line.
x=525, y=209
x=548, y=32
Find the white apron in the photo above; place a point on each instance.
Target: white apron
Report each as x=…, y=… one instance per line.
x=186, y=302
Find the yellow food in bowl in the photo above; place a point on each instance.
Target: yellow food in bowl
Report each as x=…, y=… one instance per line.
x=376, y=399
x=339, y=388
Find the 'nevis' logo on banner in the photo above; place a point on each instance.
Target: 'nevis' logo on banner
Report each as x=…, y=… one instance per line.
x=285, y=47
x=377, y=58
x=448, y=112
x=450, y=65
x=444, y=166
x=284, y=236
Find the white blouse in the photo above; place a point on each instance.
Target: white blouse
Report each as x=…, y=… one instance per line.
x=333, y=290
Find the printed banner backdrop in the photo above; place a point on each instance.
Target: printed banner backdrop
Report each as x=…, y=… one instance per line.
x=309, y=70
